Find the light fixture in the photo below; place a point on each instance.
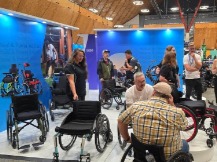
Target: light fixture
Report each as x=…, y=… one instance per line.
x=204, y=7
x=138, y=2
x=118, y=26
x=44, y=22
x=144, y=10
x=109, y=18
x=93, y=10
x=10, y=14
x=174, y=9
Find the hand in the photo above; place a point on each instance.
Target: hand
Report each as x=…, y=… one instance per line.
x=192, y=54
x=101, y=79
x=113, y=77
x=126, y=60
x=75, y=97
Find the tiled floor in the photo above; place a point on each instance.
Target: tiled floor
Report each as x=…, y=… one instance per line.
x=112, y=153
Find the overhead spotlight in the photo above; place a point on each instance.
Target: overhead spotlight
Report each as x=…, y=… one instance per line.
x=204, y=7
x=93, y=10
x=144, y=10
x=118, y=26
x=109, y=18
x=138, y=2
x=44, y=22
x=174, y=9
x=10, y=14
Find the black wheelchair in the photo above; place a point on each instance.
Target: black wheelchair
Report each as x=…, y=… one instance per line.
x=26, y=109
x=85, y=120
x=61, y=98
x=109, y=92
x=142, y=153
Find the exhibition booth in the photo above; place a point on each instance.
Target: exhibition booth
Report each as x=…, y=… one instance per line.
x=24, y=41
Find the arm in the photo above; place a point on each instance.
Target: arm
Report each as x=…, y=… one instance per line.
x=198, y=63
x=178, y=80
x=163, y=79
x=128, y=66
x=128, y=98
x=214, y=69
x=189, y=68
x=72, y=86
x=123, y=128
x=112, y=70
x=99, y=70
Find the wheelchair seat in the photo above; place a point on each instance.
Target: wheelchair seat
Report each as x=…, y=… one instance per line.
x=198, y=107
x=141, y=150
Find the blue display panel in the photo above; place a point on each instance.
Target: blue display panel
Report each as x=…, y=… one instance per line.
x=21, y=41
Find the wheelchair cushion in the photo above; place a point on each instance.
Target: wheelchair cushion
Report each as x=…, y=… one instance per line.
x=61, y=99
x=198, y=107
x=28, y=115
x=76, y=127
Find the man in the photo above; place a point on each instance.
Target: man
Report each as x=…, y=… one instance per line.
x=156, y=121
x=140, y=91
x=105, y=68
x=192, y=64
x=131, y=66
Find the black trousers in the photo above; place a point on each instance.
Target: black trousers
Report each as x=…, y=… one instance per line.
x=196, y=84
x=215, y=87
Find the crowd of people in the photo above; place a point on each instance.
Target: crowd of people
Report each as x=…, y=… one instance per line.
x=151, y=109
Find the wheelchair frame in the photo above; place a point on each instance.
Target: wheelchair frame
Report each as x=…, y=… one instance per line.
x=12, y=123
x=100, y=127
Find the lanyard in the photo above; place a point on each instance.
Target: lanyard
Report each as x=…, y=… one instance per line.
x=190, y=60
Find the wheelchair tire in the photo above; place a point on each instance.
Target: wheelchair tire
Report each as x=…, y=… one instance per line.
x=126, y=153
x=9, y=126
x=66, y=141
x=102, y=132
x=191, y=131
x=181, y=156
x=42, y=139
x=209, y=143
x=46, y=120
x=14, y=144
x=118, y=99
x=51, y=107
x=106, y=98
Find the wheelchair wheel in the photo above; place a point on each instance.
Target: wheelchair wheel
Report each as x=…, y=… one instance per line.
x=7, y=88
x=102, y=132
x=17, y=86
x=120, y=139
x=181, y=157
x=45, y=120
x=37, y=88
x=118, y=99
x=9, y=126
x=66, y=141
x=51, y=107
x=106, y=98
x=192, y=128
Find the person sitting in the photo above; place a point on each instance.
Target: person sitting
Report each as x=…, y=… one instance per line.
x=156, y=121
x=139, y=91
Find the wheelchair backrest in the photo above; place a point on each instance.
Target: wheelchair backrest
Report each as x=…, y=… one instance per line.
x=25, y=103
x=62, y=85
x=13, y=69
x=156, y=150
x=110, y=84
x=86, y=110
x=28, y=74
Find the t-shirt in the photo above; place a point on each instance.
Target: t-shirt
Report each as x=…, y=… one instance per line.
x=169, y=73
x=80, y=77
x=132, y=94
x=190, y=61
x=50, y=52
x=132, y=62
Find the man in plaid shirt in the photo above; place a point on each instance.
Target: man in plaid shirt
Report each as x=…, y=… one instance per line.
x=156, y=121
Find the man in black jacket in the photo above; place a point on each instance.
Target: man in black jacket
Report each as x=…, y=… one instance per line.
x=105, y=68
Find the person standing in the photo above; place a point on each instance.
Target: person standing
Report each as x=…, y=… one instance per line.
x=192, y=64
x=52, y=58
x=214, y=71
x=76, y=72
x=105, y=68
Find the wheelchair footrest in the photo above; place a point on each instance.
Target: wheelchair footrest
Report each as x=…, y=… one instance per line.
x=37, y=144
x=24, y=147
x=87, y=157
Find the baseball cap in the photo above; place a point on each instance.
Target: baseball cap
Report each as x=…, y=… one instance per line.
x=128, y=51
x=105, y=50
x=163, y=88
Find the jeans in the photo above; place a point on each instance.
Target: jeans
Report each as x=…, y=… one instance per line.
x=185, y=146
x=196, y=84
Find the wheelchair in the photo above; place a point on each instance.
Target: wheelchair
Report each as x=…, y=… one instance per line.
x=85, y=120
x=25, y=109
x=10, y=83
x=109, y=92
x=156, y=151
x=61, y=97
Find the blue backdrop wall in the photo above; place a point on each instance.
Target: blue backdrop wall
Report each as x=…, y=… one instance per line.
x=21, y=41
x=148, y=46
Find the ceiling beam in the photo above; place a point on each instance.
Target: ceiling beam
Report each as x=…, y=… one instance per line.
x=156, y=7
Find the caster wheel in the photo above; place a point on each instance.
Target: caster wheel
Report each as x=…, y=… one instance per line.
x=14, y=145
x=118, y=107
x=88, y=159
x=209, y=143
x=42, y=138
x=209, y=131
x=89, y=137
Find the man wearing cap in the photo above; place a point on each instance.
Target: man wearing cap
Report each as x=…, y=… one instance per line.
x=192, y=63
x=131, y=65
x=156, y=121
x=105, y=68
x=140, y=91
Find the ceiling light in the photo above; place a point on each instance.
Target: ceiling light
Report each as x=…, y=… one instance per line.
x=138, y=2
x=118, y=26
x=44, y=22
x=109, y=18
x=10, y=14
x=204, y=7
x=144, y=10
x=93, y=10
x=174, y=9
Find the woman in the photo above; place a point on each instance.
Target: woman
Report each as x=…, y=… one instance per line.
x=168, y=73
x=76, y=72
x=214, y=71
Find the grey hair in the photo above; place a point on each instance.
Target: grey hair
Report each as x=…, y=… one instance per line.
x=138, y=74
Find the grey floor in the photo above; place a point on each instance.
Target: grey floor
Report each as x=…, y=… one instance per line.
x=113, y=152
